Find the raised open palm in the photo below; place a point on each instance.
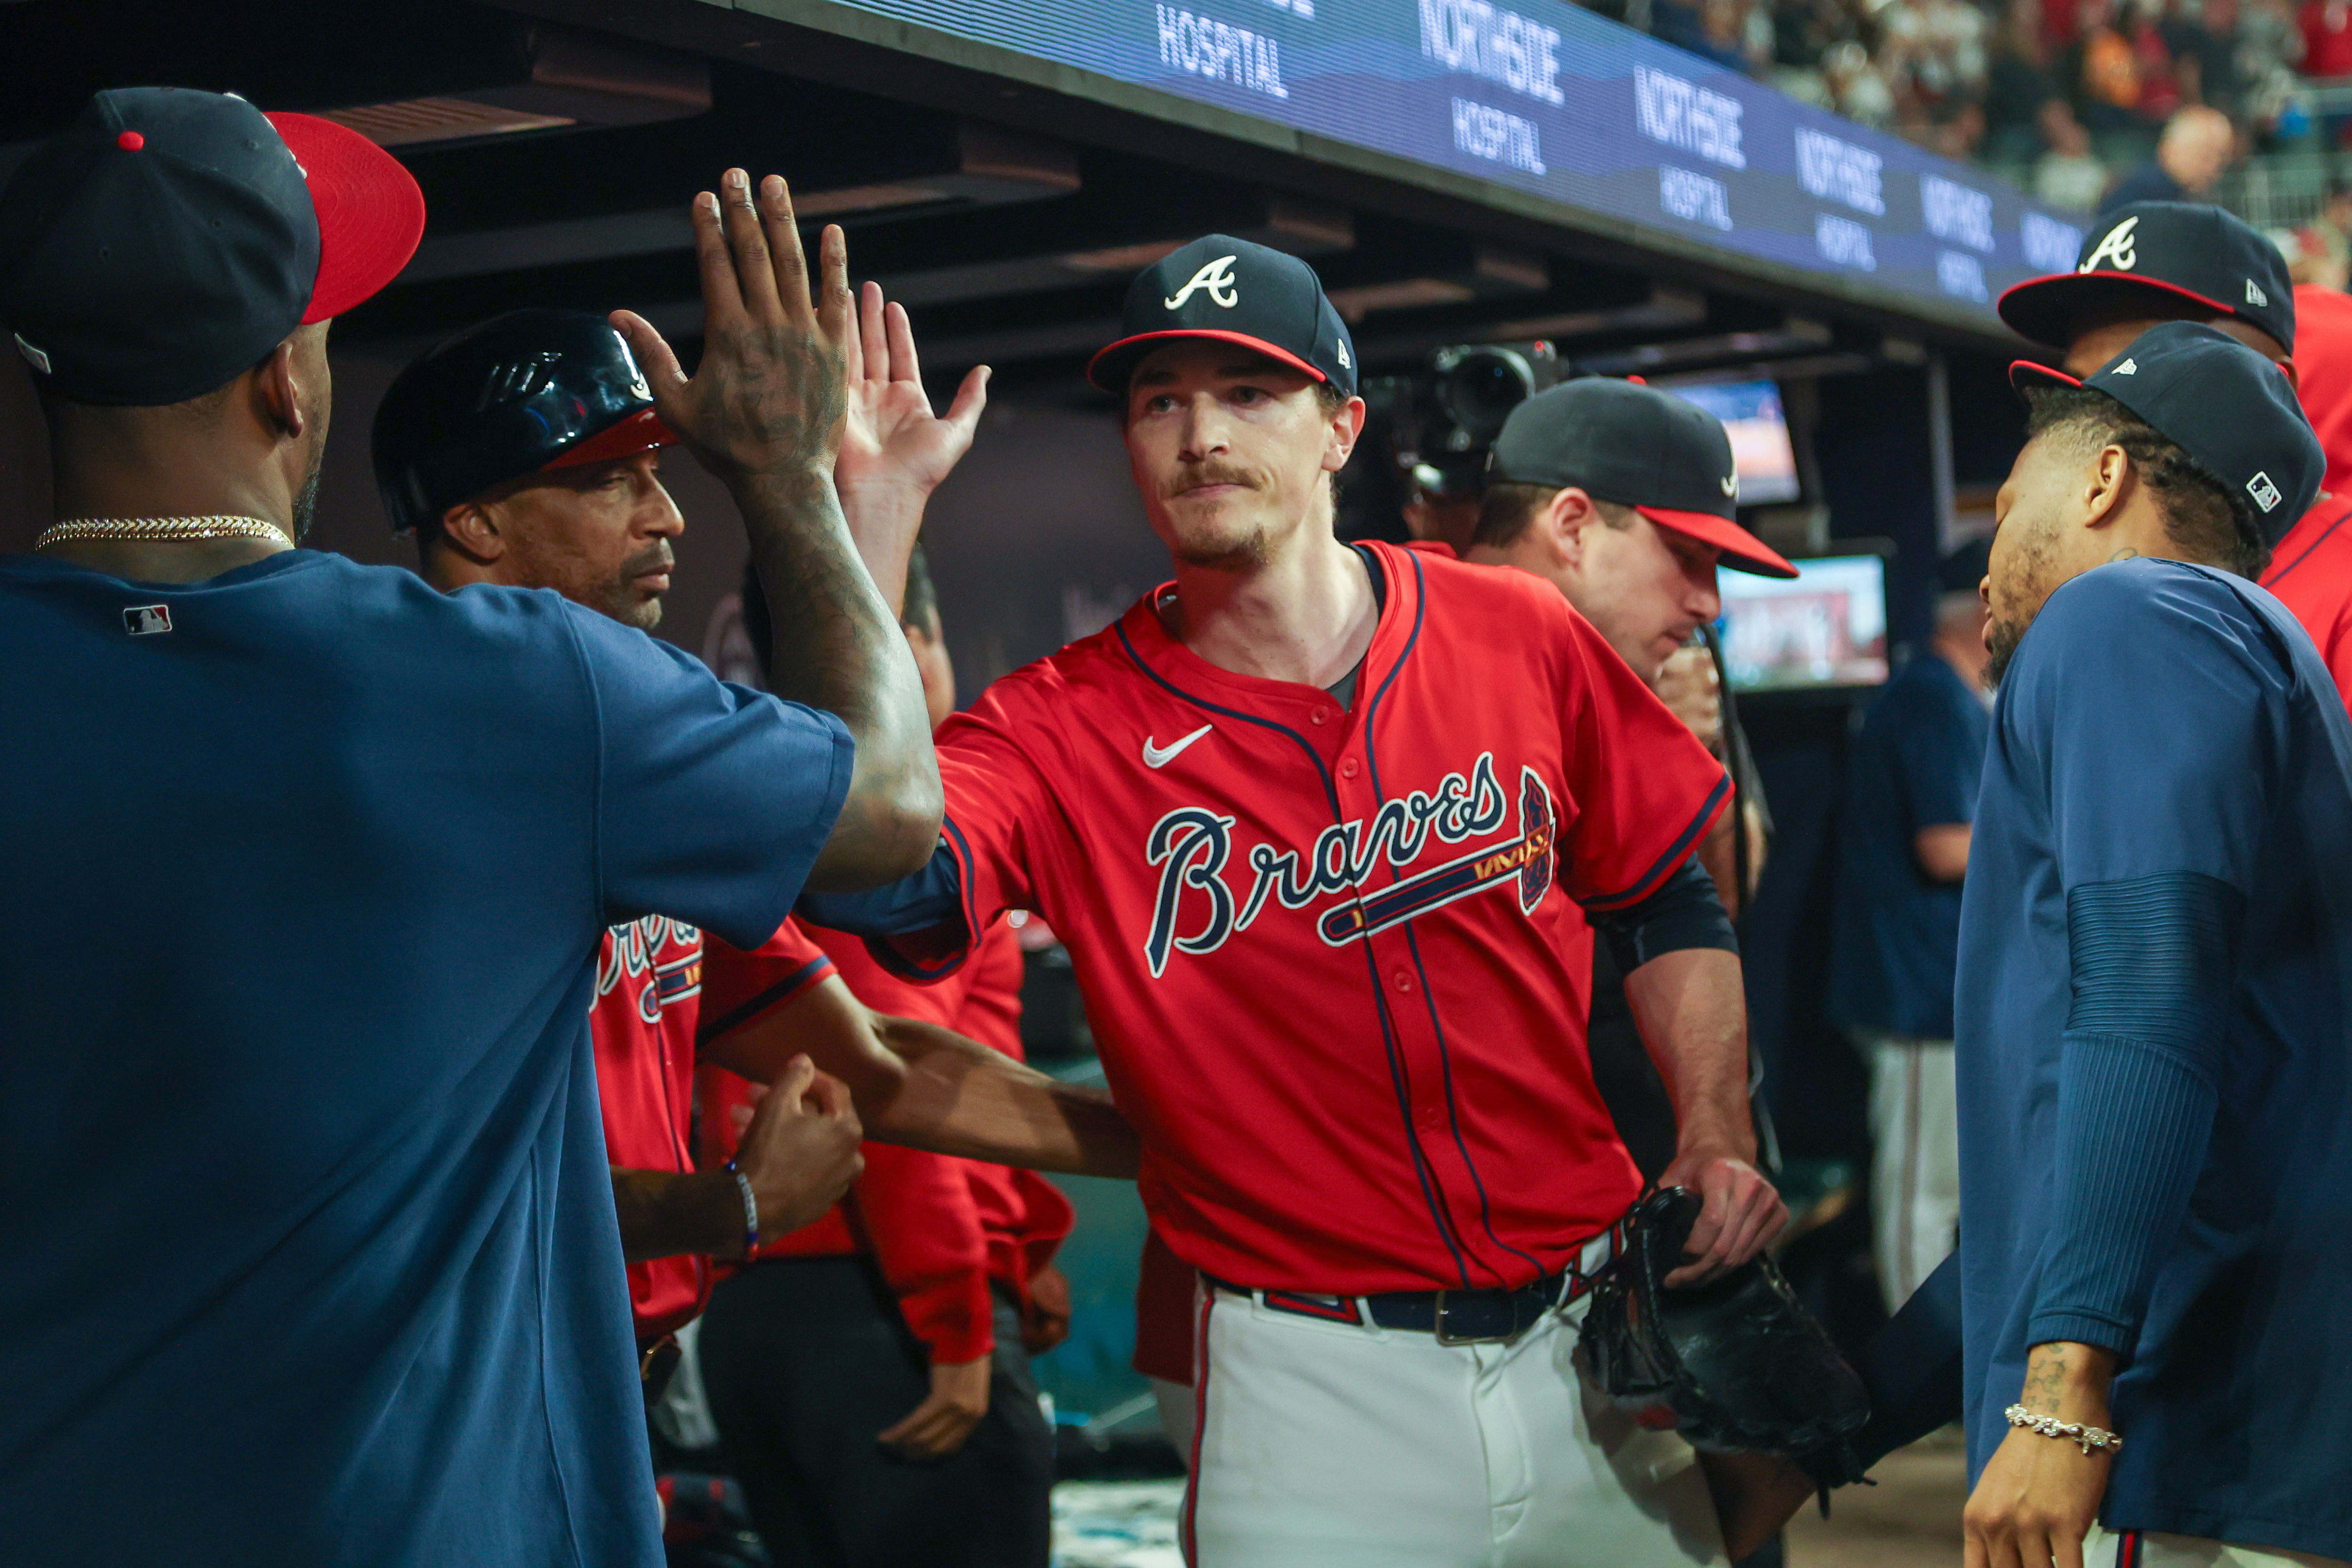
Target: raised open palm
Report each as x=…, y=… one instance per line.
x=891, y=439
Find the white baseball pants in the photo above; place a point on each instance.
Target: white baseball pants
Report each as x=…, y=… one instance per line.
x=1330, y=1445
x=1915, y=1168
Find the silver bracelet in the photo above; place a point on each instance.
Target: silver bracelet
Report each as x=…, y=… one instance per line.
x=750, y=1210
x=2084, y=1437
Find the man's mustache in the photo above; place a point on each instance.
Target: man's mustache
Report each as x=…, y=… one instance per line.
x=1193, y=478
x=656, y=557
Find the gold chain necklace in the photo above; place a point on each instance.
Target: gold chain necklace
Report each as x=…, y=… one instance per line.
x=162, y=529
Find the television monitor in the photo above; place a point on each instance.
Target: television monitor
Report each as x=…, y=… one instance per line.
x=1760, y=452
x=1825, y=628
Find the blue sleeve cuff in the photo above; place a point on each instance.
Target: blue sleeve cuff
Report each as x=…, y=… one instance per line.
x=2048, y=1326
x=917, y=928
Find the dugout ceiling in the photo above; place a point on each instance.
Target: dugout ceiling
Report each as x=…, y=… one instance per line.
x=557, y=141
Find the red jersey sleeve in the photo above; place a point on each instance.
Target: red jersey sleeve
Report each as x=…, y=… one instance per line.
x=918, y=1218
x=738, y=985
x=1645, y=790
x=886, y=990
x=996, y=806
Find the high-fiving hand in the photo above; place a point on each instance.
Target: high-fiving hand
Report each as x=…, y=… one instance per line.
x=773, y=390
x=892, y=439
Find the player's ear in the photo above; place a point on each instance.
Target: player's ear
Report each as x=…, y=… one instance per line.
x=2107, y=486
x=1347, y=428
x=1564, y=523
x=473, y=532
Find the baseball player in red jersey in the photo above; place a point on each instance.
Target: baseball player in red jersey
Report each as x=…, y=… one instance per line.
x=1309, y=819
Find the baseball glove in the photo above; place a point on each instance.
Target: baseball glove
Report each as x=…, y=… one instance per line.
x=1738, y=1362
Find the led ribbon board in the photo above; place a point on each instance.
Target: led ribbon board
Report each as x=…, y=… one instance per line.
x=1561, y=104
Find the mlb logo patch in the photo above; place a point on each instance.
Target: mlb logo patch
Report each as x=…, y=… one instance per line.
x=146, y=620
x=2266, y=494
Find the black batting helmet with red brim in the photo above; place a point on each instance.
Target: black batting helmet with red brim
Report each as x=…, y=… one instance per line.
x=527, y=391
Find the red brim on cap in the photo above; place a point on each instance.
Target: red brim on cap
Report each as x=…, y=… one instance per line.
x=640, y=432
x=2037, y=308
x=1742, y=551
x=1260, y=344
x=371, y=214
x=2025, y=372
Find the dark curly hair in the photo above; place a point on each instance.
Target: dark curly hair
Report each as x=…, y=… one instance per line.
x=2207, y=521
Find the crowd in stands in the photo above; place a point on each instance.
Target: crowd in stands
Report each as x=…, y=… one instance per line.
x=2064, y=97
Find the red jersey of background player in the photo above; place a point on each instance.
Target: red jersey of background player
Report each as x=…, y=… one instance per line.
x=651, y=975
x=2311, y=570
x=1321, y=944
x=939, y=1228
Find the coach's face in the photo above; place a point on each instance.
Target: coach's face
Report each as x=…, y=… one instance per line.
x=1233, y=452
x=599, y=534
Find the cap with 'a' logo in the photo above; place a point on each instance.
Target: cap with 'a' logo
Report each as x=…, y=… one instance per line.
x=1230, y=290
x=2184, y=251
x=1619, y=441
x=2220, y=402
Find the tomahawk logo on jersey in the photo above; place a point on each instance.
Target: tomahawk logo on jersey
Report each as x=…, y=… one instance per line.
x=1332, y=953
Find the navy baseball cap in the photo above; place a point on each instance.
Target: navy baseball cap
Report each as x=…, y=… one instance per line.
x=2222, y=403
x=2185, y=250
x=1620, y=441
x=1220, y=286
x=168, y=239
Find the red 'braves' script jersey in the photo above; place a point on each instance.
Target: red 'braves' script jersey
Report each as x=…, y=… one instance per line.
x=1325, y=949
x=650, y=985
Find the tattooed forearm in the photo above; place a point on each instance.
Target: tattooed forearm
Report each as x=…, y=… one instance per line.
x=2065, y=1379
x=2045, y=1377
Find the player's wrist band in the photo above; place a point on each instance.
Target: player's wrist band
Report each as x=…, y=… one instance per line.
x=2084, y=1437
x=750, y=1210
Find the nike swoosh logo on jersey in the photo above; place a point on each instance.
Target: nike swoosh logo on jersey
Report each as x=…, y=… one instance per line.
x=1160, y=756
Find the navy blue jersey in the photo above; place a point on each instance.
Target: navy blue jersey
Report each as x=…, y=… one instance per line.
x=310, y=1250
x=1914, y=764
x=2168, y=786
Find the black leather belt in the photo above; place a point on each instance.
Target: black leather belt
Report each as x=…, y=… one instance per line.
x=1473, y=1316
x=1455, y=1316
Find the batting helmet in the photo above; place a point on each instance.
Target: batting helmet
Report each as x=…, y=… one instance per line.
x=525, y=391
